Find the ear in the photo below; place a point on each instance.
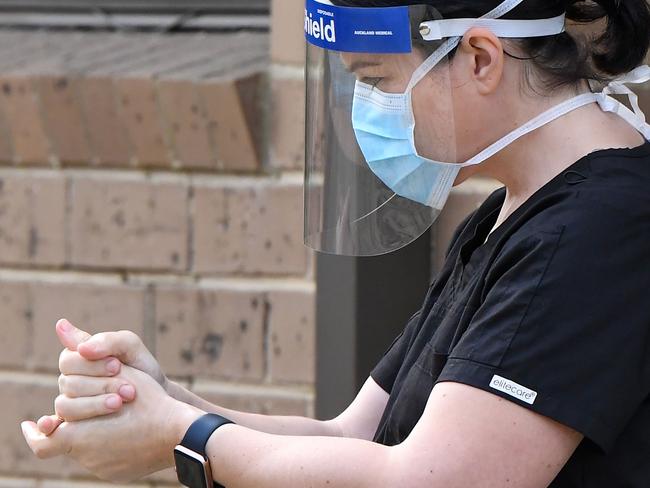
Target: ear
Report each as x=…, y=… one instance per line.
x=483, y=52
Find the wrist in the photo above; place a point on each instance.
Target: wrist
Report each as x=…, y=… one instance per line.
x=181, y=417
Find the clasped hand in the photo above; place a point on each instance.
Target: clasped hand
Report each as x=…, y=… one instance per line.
x=113, y=415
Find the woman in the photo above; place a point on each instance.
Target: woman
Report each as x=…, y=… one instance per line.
x=528, y=364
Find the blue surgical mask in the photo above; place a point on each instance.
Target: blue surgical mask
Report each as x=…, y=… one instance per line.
x=384, y=125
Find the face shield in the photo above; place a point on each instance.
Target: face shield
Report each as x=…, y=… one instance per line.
x=381, y=121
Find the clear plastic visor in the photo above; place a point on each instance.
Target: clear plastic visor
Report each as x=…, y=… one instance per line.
x=361, y=114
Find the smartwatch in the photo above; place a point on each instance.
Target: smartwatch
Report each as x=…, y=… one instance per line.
x=192, y=464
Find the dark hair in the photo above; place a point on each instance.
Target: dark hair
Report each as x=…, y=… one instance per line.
x=563, y=59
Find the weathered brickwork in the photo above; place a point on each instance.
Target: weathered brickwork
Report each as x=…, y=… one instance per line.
x=137, y=192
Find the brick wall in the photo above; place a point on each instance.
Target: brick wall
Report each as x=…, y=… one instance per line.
x=154, y=183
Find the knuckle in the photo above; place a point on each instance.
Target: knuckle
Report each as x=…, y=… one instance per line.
x=60, y=405
x=63, y=358
x=69, y=362
x=100, y=337
x=62, y=383
x=130, y=337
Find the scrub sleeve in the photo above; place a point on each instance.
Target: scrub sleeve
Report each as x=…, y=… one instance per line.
x=559, y=320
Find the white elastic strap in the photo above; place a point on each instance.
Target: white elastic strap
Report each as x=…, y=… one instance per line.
x=634, y=117
x=440, y=29
x=534, y=124
x=609, y=104
x=435, y=58
x=452, y=42
x=617, y=87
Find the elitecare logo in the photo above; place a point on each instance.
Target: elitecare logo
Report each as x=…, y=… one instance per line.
x=318, y=29
x=513, y=389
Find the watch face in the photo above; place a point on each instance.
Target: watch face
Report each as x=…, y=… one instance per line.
x=190, y=470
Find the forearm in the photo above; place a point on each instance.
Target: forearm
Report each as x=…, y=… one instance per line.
x=244, y=458
x=271, y=424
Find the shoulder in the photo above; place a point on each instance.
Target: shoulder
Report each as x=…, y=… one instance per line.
x=598, y=202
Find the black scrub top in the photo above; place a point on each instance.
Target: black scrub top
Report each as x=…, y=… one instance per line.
x=552, y=313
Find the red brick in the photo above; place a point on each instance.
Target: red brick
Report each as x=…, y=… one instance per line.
x=6, y=144
x=23, y=113
x=231, y=129
x=129, y=224
x=292, y=341
x=187, y=124
x=65, y=125
x=32, y=212
x=15, y=314
x=141, y=116
x=17, y=483
x=210, y=333
x=124, y=56
x=288, y=34
x=87, y=484
x=252, y=89
x=91, y=307
x=108, y=137
x=265, y=401
x=287, y=123
x=249, y=230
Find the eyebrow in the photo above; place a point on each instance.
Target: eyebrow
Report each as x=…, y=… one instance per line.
x=357, y=65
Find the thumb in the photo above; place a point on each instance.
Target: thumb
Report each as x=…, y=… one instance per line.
x=69, y=335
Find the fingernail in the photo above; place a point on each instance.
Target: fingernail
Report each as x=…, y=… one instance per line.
x=113, y=366
x=127, y=392
x=113, y=402
x=64, y=325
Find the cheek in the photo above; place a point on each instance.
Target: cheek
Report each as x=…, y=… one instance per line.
x=435, y=124
x=453, y=125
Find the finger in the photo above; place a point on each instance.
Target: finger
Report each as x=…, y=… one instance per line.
x=47, y=424
x=72, y=363
x=43, y=446
x=125, y=345
x=76, y=386
x=73, y=409
x=69, y=335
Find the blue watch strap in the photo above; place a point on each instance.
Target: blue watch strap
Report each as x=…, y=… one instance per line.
x=199, y=433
